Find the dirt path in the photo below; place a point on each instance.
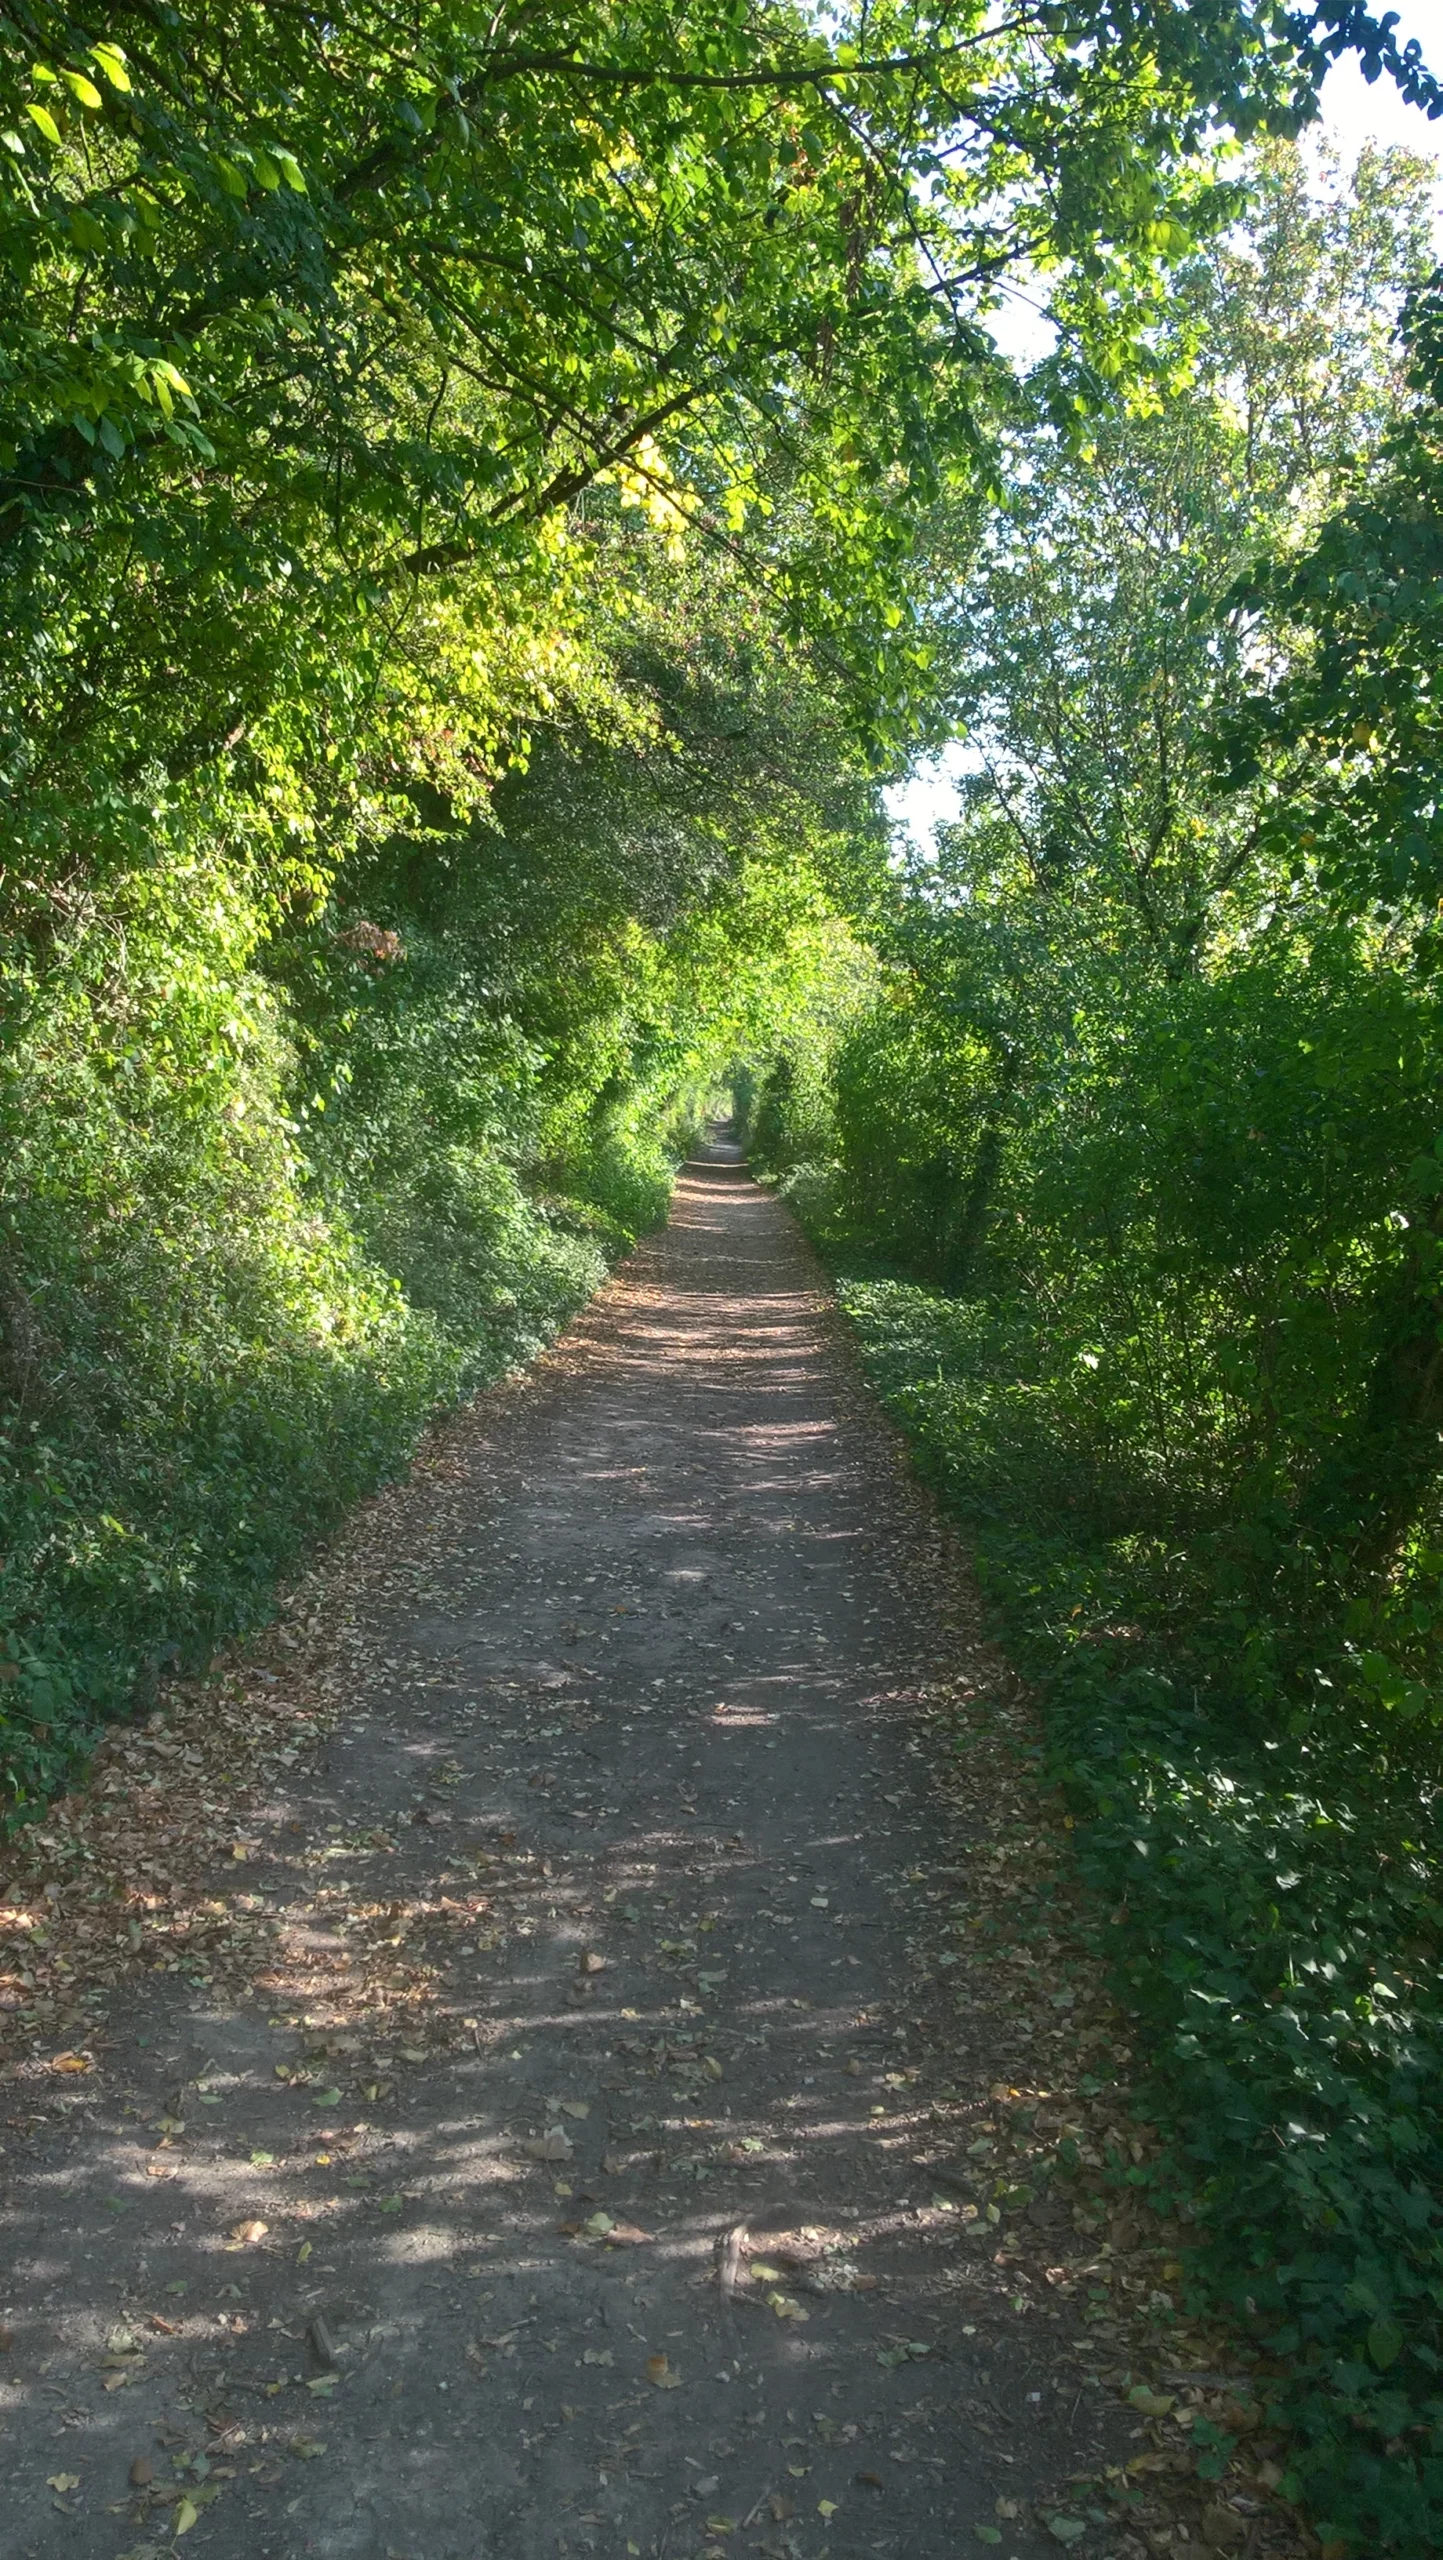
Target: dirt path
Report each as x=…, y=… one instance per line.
x=580, y=1990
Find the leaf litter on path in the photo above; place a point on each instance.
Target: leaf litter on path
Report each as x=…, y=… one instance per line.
x=964, y=2094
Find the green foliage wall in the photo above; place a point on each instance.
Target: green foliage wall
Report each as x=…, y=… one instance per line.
x=1131, y=1171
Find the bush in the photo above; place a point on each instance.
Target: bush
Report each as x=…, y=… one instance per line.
x=1267, y=1895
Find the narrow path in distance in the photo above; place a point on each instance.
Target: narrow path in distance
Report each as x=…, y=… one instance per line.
x=565, y=2168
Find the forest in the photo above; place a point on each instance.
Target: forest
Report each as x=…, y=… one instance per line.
x=490, y=500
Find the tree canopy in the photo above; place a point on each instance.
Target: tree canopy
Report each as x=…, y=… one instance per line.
x=488, y=499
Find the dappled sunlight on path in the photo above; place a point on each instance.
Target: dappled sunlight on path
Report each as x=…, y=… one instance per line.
x=562, y=2146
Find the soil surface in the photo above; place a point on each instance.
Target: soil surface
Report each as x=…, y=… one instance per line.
x=557, y=2160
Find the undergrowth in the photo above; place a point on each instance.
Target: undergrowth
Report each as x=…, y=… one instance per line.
x=225, y=1314
x=1266, y=1889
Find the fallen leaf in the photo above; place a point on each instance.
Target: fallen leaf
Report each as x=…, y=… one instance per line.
x=306, y=2448
x=186, y=2514
x=71, y=2062
x=597, y=2355
x=1066, y=2528
x=987, y=2532
x=548, y=2146
x=1153, y=2404
x=142, y=2472
x=786, y=2308
x=575, y=2107
x=660, y=2372
x=589, y=1963
x=597, y=2225
x=826, y=2506
x=63, y=2480
x=246, y=2234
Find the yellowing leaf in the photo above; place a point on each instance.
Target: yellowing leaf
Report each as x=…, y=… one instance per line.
x=1153, y=2404
x=660, y=2372
x=81, y=88
x=63, y=2480
x=109, y=59
x=826, y=2506
x=186, y=2514
x=42, y=117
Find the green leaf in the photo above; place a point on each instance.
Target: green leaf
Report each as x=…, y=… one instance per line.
x=109, y=59
x=42, y=117
x=82, y=88
x=1385, y=2343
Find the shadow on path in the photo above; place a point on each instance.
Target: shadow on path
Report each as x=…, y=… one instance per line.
x=560, y=2175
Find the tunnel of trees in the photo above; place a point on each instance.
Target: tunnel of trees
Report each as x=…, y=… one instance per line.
x=489, y=501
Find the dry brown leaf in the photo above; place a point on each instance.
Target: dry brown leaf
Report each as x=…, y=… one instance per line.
x=547, y=2146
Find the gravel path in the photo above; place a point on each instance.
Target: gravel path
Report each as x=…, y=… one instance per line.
x=568, y=2173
